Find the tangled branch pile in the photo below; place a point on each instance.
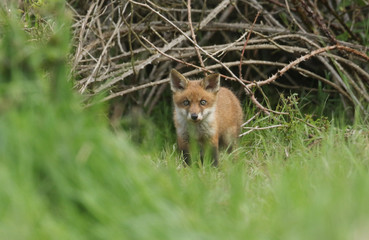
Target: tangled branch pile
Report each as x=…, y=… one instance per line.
x=125, y=47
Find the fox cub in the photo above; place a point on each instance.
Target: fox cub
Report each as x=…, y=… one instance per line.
x=203, y=110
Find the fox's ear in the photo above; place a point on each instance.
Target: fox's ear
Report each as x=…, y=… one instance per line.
x=178, y=82
x=211, y=83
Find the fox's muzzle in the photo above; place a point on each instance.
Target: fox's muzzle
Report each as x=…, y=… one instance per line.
x=194, y=116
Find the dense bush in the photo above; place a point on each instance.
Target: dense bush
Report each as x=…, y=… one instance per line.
x=127, y=48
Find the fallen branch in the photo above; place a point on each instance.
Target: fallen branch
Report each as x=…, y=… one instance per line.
x=260, y=128
x=291, y=65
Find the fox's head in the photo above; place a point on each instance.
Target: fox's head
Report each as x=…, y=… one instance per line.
x=194, y=100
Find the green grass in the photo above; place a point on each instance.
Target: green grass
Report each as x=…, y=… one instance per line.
x=65, y=175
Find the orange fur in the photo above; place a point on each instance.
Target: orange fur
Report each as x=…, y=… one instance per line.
x=213, y=112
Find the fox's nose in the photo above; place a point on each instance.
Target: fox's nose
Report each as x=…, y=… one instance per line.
x=194, y=116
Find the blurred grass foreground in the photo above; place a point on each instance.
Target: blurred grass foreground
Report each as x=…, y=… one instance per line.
x=65, y=175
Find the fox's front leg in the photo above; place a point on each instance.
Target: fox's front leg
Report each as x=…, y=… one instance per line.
x=215, y=154
x=214, y=143
x=183, y=146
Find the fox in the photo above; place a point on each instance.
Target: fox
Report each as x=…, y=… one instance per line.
x=204, y=111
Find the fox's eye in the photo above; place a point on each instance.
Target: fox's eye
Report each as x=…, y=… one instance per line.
x=186, y=102
x=203, y=102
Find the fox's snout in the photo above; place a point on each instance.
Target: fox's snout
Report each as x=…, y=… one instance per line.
x=195, y=111
x=195, y=117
